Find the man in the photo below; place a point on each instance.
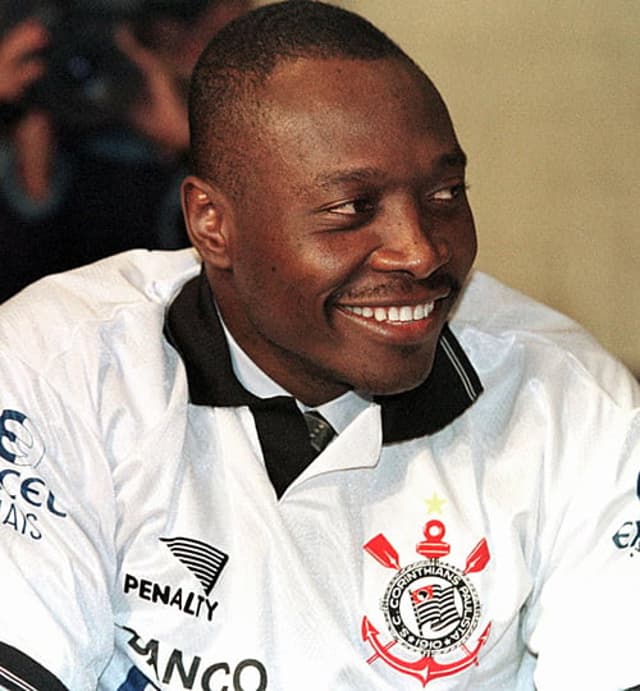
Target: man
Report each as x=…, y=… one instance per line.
x=468, y=523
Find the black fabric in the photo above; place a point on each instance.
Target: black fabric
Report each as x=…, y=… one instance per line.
x=19, y=672
x=284, y=440
x=192, y=326
x=449, y=390
x=194, y=329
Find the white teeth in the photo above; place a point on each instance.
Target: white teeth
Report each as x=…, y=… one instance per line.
x=406, y=314
x=399, y=313
x=380, y=313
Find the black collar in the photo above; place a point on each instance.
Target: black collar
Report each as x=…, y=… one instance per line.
x=192, y=326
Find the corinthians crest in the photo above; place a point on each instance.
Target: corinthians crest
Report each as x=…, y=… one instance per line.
x=430, y=607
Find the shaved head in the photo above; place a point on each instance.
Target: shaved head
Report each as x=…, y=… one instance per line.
x=225, y=99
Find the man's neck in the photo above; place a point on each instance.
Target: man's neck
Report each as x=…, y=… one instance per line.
x=340, y=411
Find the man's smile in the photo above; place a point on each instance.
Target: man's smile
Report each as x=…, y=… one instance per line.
x=394, y=313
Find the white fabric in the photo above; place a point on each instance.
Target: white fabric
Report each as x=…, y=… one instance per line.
x=544, y=466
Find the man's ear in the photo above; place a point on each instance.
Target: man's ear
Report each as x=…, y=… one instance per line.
x=208, y=219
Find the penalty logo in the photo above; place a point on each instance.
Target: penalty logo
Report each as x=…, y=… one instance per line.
x=430, y=607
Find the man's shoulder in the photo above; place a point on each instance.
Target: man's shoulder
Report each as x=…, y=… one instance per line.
x=494, y=307
x=126, y=291
x=493, y=319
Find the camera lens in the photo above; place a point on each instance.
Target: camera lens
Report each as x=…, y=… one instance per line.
x=89, y=81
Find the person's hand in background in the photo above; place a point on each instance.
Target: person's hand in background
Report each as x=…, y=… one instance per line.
x=20, y=61
x=32, y=134
x=160, y=112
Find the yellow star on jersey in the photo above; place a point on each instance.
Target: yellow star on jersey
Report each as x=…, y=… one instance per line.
x=435, y=503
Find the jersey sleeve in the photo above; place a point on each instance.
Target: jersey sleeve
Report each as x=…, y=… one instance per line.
x=582, y=620
x=56, y=538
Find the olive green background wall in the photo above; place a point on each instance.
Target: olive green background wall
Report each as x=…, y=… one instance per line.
x=545, y=97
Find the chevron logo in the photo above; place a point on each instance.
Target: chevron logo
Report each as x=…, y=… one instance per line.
x=205, y=562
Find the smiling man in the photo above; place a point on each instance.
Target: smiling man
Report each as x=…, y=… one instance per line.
x=315, y=452
x=357, y=228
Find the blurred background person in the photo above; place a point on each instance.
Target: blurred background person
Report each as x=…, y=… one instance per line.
x=94, y=127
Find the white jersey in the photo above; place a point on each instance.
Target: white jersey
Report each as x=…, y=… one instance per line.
x=142, y=544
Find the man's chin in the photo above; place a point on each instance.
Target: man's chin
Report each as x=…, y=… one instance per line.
x=394, y=382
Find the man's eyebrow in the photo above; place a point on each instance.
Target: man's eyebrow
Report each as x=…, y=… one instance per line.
x=452, y=159
x=455, y=159
x=341, y=177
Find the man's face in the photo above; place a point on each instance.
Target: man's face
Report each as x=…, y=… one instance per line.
x=353, y=235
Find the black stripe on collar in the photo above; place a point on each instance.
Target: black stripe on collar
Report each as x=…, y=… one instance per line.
x=192, y=326
x=451, y=387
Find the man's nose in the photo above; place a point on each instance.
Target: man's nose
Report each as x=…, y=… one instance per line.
x=411, y=243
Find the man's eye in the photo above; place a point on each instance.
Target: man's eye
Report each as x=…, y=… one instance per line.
x=447, y=194
x=354, y=207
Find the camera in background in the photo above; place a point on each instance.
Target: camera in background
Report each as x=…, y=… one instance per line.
x=89, y=82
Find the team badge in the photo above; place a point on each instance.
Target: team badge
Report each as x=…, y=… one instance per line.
x=430, y=607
